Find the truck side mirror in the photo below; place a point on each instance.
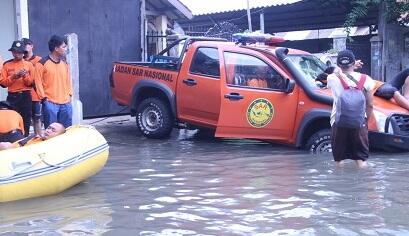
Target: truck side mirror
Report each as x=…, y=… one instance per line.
x=289, y=86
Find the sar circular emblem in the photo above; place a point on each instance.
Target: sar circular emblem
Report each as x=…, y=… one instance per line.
x=260, y=112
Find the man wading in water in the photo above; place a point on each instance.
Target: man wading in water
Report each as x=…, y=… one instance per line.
x=352, y=92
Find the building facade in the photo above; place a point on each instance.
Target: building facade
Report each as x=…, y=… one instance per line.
x=108, y=31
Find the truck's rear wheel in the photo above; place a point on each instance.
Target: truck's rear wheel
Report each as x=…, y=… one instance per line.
x=154, y=118
x=320, y=142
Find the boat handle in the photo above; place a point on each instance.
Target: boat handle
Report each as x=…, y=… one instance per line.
x=16, y=165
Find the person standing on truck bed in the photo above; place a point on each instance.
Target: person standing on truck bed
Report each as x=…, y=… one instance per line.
x=350, y=140
x=53, y=72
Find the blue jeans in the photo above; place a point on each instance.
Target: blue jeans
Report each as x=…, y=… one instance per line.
x=61, y=113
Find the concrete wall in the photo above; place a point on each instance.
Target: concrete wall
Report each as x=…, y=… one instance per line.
x=394, y=48
x=405, y=54
x=8, y=27
x=107, y=31
x=8, y=33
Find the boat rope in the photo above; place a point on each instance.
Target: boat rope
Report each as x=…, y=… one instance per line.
x=115, y=114
x=42, y=155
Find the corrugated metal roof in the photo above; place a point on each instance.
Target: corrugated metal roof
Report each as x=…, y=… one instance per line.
x=301, y=15
x=174, y=9
x=323, y=33
x=253, y=8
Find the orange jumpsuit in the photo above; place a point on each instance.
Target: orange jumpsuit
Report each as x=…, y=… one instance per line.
x=257, y=83
x=11, y=126
x=11, y=67
x=55, y=81
x=27, y=141
x=34, y=96
x=56, y=89
x=19, y=89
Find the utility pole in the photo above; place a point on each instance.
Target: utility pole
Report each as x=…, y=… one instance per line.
x=262, y=22
x=249, y=16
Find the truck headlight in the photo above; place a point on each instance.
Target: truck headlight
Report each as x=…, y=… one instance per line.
x=380, y=119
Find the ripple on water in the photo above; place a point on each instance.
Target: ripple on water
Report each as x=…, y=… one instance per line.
x=179, y=215
x=215, y=187
x=323, y=193
x=150, y=206
x=166, y=199
x=300, y=212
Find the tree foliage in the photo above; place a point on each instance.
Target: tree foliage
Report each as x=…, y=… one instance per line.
x=396, y=10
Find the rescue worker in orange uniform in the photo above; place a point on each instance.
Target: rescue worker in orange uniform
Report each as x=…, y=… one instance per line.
x=259, y=79
x=11, y=123
x=53, y=72
x=52, y=131
x=36, y=102
x=17, y=75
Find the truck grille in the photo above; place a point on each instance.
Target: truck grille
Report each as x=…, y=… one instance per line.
x=399, y=124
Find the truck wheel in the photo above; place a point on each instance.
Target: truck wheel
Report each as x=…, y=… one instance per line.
x=320, y=142
x=154, y=118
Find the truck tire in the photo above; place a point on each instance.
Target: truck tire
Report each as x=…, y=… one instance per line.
x=320, y=142
x=154, y=119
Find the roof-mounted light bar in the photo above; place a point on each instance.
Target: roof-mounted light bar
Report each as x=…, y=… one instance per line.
x=250, y=38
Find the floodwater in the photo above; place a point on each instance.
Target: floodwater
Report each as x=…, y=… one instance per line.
x=195, y=185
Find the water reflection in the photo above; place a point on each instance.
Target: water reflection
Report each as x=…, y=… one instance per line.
x=80, y=211
x=195, y=185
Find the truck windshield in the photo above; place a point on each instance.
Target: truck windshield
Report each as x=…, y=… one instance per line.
x=310, y=66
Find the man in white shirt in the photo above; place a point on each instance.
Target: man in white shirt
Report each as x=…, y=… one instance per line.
x=349, y=143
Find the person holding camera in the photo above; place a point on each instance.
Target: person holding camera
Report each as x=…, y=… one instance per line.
x=17, y=75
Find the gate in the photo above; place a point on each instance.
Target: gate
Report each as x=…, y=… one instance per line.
x=155, y=42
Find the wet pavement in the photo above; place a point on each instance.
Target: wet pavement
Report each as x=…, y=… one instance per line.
x=193, y=184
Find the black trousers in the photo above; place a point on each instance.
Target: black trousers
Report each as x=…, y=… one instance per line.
x=388, y=89
x=21, y=101
x=11, y=136
x=350, y=143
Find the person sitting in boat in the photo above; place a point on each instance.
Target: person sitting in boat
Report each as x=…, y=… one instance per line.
x=52, y=130
x=11, y=123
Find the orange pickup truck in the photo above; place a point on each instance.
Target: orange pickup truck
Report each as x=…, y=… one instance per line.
x=242, y=90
